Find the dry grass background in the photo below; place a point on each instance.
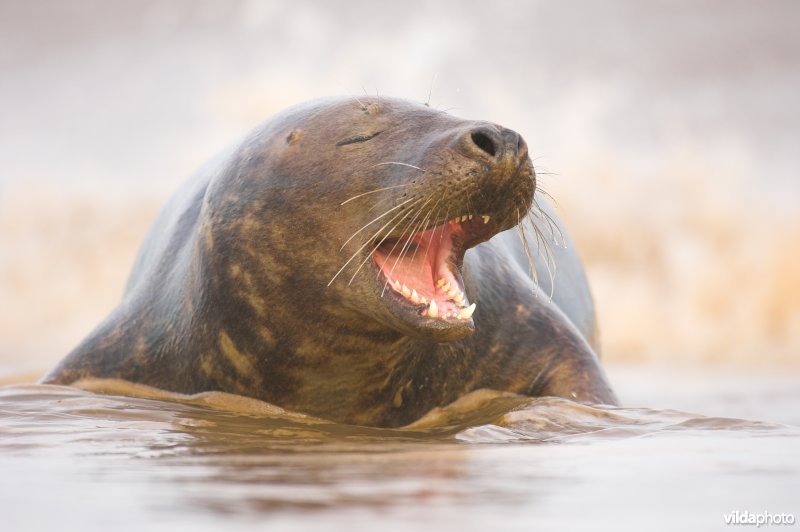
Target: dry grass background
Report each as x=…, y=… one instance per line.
x=672, y=128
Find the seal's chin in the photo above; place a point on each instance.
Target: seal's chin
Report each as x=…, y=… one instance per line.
x=421, y=275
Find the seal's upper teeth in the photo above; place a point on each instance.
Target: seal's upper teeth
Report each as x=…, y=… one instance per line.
x=453, y=292
x=440, y=282
x=459, y=298
x=397, y=286
x=433, y=310
x=466, y=313
x=470, y=217
x=446, y=286
x=406, y=291
x=464, y=218
x=485, y=219
x=414, y=296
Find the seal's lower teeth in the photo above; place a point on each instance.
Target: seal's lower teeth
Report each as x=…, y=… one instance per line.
x=433, y=309
x=466, y=313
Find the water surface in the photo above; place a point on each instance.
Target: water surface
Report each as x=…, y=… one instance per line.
x=77, y=460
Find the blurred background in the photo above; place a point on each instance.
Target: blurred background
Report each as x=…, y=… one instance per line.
x=671, y=129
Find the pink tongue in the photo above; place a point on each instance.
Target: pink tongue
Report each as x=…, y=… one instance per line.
x=420, y=267
x=416, y=267
x=413, y=271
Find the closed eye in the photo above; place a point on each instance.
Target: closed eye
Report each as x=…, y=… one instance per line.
x=358, y=138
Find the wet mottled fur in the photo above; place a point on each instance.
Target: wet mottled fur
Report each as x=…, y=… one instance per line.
x=229, y=291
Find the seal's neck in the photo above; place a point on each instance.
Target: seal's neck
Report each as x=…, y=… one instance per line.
x=323, y=360
x=270, y=330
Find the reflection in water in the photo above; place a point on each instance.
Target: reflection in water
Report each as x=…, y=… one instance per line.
x=158, y=459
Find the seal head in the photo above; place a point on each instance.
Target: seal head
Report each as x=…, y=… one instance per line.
x=439, y=187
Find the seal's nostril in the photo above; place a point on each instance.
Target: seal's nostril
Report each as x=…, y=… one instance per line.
x=484, y=142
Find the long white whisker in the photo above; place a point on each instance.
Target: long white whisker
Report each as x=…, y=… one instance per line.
x=376, y=219
x=425, y=257
x=419, y=211
x=408, y=240
x=381, y=242
x=365, y=244
x=425, y=228
x=542, y=191
x=447, y=219
x=549, y=257
x=399, y=239
x=400, y=164
x=373, y=192
x=548, y=250
x=434, y=234
x=402, y=234
x=389, y=232
x=554, y=228
x=430, y=90
x=526, y=247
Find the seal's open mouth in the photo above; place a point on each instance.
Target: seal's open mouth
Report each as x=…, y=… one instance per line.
x=424, y=269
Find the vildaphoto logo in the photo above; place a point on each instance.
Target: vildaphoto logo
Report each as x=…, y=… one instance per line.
x=760, y=519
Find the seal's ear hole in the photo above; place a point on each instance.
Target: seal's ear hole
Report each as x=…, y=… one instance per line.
x=485, y=143
x=292, y=137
